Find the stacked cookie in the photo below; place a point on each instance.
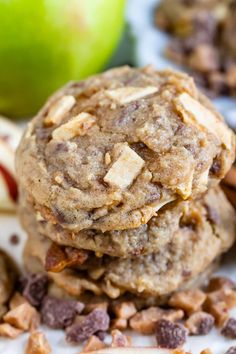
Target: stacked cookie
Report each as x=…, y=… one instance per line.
x=118, y=178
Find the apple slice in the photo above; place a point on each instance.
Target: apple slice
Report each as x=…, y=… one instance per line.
x=136, y=350
x=8, y=186
x=10, y=136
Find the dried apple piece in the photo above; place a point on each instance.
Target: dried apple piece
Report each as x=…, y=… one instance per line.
x=59, y=109
x=125, y=169
x=193, y=112
x=125, y=95
x=77, y=126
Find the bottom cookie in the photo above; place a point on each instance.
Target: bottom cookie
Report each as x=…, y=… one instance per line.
x=189, y=254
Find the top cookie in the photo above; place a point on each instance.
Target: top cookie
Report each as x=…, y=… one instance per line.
x=108, y=152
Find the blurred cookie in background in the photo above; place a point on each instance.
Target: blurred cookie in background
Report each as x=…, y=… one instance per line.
x=202, y=41
x=188, y=14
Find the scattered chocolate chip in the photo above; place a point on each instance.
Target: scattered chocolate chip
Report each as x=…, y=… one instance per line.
x=200, y=323
x=101, y=335
x=59, y=313
x=231, y=350
x=170, y=335
x=14, y=239
x=35, y=288
x=96, y=321
x=229, y=329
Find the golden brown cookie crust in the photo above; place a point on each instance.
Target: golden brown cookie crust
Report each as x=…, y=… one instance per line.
x=188, y=254
x=109, y=152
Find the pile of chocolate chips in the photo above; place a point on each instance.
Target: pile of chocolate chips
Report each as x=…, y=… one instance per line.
x=190, y=312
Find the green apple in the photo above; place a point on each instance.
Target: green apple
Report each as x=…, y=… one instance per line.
x=46, y=43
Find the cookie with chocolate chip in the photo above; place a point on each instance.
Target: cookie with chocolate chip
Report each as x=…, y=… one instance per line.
x=110, y=152
x=192, y=250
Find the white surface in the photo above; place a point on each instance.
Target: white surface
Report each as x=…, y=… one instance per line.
x=150, y=45
x=218, y=344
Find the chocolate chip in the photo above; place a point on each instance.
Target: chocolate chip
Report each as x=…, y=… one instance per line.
x=61, y=217
x=216, y=167
x=229, y=329
x=35, y=288
x=101, y=335
x=96, y=321
x=231, y=350
x=205, y=325
x=59, y=313
x=170, y=335
x=200, y=323
x=62, y=147
x=14, y=239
